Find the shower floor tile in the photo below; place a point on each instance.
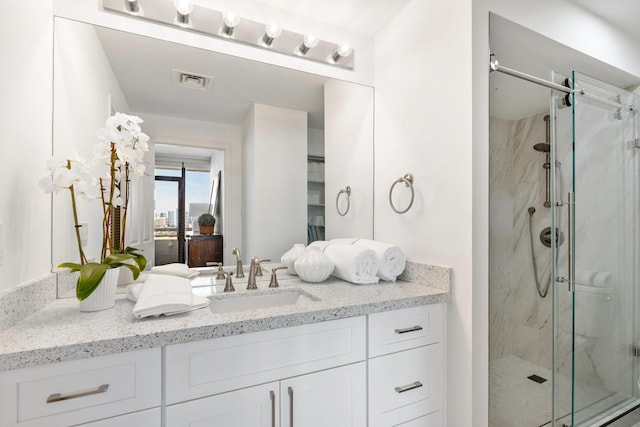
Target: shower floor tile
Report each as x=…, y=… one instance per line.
x=517, y=401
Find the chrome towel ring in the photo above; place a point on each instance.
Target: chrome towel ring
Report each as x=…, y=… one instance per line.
x=407, y=179
x=347, y=192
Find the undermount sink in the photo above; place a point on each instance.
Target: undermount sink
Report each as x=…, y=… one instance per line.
x=250, y=301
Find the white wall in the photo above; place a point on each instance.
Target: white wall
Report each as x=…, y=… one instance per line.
x=275, y=196
x=423, y=127
x=348, y=132
x=178, y=131
x=84, y=84
x=26, y=36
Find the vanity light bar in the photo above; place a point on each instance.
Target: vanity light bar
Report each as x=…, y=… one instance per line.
x=227, y=26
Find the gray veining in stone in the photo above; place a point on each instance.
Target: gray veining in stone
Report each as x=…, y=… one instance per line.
x=61, y=332
x=21, y=301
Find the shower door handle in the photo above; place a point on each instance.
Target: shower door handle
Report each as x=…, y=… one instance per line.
x=571, y=238
x=570, y=281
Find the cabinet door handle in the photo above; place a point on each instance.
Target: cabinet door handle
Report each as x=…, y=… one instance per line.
x=405, y=330
x=58, y=397
x=272, y=396
x=290, y=390
x=408, y=387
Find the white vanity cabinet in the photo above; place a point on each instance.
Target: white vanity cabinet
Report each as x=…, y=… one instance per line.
x=315, y=372
x=405, y=367
x=81, y=391
x=333, y=397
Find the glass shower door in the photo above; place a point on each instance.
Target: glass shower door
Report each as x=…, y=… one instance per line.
x=595, y=214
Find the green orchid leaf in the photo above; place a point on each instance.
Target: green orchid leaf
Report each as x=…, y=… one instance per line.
x=138, y=257
x=134, y=270
x=72, y=265
x=117, y=258
x=90, y=276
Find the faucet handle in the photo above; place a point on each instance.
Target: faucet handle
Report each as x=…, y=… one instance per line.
x=274, y=277
x=220, y=275
x=228, y=285
x=258, y=266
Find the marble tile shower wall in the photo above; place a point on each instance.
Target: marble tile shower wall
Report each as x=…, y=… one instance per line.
x=520, y=321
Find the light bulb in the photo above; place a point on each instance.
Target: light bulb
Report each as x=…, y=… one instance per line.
x=271, y=32
x=132, y=6
x=229, y=22
x=309, y=42
x=184, y=7
x=342, y=51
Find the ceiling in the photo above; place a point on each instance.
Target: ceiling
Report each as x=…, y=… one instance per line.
x=624, y=14
x=366, y=17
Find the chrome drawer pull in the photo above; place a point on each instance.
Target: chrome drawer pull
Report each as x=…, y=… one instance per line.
x=402, y=389
x=290, y=407
x=272, y=395
x=405, y=330
x=58, y=397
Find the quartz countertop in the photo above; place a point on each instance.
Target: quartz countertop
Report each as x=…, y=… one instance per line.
x=60, y=332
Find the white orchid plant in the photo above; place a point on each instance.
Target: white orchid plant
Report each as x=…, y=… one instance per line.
x=117, y=157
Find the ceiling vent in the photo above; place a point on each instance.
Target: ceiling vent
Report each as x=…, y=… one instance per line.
x=189, y=80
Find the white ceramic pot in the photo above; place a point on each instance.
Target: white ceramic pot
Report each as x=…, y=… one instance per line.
x=290, y=257
x=314, y=265
x=104, y=296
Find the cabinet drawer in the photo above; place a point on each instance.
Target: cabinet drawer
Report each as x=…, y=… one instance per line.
x=398, y=330
x=148, y=418
x=214, y=366
x=404, y=386
x=432, y=420
x=78, y=391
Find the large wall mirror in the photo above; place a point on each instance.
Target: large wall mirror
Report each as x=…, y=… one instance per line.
x=271, y=147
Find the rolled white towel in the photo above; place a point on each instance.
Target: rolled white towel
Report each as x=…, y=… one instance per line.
x=161, y=294
x=353, y=263
x=392, y=259
x=321, y=244
x=175, y=269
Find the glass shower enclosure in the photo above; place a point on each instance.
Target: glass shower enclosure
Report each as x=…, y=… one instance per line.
x=595, y=149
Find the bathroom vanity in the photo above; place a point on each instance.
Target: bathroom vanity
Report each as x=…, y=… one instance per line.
x=358, y=355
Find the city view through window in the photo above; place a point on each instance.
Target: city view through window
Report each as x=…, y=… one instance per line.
x=197, y=194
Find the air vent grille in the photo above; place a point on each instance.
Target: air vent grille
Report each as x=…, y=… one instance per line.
x=193, y=81
x=189, y=80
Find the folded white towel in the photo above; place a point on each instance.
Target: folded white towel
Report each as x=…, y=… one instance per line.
x=162, y=294
x=175, y=269
x=353, y=263
x=392, y=259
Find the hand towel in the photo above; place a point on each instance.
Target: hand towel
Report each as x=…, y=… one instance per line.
x=392, y=260
x=352, y=263
x=162, y=294
x=175, y=269
x=133, y=292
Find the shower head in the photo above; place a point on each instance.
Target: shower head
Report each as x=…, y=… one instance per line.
x=531, y=210
x=542, y=147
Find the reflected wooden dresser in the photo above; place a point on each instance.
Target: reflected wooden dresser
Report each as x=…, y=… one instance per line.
x=204, y=248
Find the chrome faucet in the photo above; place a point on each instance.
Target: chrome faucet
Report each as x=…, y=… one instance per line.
x=239, y=270
x=255, y=264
